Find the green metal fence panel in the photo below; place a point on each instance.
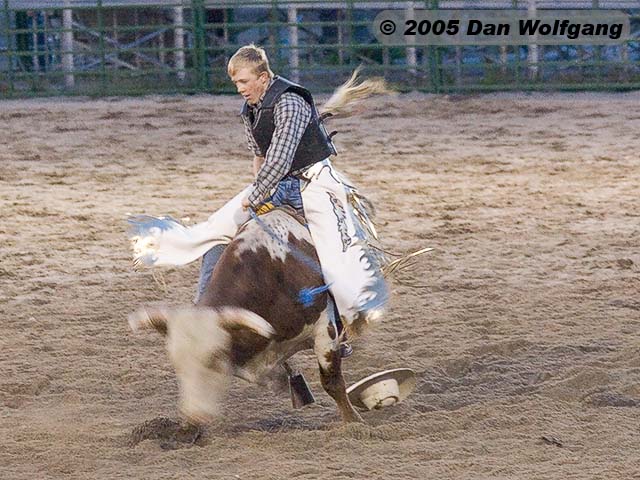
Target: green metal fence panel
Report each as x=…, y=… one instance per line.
x=133, y=47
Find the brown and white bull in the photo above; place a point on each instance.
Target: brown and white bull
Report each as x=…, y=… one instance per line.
x=249, y=320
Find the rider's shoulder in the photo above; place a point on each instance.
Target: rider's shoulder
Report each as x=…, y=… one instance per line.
x=292, y=98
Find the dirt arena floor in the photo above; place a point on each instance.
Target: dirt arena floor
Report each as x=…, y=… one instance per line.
x=522, y=324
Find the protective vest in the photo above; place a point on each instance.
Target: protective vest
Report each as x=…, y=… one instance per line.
x=315, y=144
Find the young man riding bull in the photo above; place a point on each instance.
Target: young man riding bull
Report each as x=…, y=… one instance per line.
x=291, y=149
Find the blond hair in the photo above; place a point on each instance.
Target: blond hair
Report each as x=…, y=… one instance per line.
x=250, y=56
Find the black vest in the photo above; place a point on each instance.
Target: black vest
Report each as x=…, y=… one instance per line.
x=315, y=144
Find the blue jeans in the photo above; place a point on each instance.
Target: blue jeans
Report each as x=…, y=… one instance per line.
x=209, y=261
x=287, y=193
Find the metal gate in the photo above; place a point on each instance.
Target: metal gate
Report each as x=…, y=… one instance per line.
x=134, y=47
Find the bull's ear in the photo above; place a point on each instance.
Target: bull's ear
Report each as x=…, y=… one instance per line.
x=232, y=318
x=147, y=317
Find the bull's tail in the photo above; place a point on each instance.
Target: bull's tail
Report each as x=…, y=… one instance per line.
x=199, y=342
x=352, y=92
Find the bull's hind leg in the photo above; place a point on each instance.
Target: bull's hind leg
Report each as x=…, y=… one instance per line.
x=327, y=349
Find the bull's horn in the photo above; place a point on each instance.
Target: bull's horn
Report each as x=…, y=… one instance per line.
x=148, y=317
x=234, y=317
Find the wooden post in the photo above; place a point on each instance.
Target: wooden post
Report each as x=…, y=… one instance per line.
x=178, y=42
x=533, y=55
x=412, y=59
x=67, y=46
x=101, y=43
x=45, y=20
x=516, y=51
x=624, y=57
x=294, y=54
x=595, y=4
x=503, y=60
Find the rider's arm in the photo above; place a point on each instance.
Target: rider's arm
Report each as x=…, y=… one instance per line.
x=291, y=116
x=257, y=163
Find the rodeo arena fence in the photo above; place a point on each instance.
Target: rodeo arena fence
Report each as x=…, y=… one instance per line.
x=133, y=47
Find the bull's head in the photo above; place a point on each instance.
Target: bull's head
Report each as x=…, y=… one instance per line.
x=198, y=341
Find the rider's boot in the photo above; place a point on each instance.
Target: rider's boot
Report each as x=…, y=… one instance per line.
x=209, y=261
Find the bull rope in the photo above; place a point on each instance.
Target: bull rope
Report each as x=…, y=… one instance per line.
x=306, y=296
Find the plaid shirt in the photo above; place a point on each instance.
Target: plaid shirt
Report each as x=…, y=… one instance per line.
x=291, y=116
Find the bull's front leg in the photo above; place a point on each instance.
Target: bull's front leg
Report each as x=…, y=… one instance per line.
x=327, y=350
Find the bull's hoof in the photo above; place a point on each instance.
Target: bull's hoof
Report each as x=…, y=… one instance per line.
x=168, y=434
x=300, y=392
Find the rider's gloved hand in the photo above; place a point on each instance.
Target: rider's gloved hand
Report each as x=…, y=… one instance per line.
x=264, y=208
